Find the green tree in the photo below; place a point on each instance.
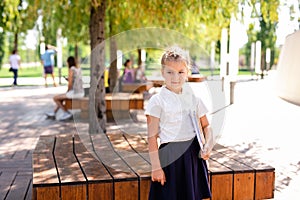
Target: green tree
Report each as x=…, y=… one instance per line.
x=200, y=20
x=9, y=13
x=267, y=15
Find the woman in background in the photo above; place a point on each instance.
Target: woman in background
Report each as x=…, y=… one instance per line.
x=75, y=90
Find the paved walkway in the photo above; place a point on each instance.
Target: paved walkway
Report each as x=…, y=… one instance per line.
x=258, y=123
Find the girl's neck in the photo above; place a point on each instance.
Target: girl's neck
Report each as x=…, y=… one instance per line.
x=179, y=91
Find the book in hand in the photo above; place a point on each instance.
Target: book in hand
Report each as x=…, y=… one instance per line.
x=198, y=131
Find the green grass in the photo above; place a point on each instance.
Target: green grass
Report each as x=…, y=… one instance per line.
x=36, y=72
x=207, y=72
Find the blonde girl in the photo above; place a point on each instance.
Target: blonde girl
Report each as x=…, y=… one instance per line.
x=178, y=172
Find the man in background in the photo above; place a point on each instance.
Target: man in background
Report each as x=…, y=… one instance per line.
x=15, y=63
x=48, y=63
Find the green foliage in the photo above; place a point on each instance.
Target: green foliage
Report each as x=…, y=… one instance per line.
x=2, y=36
x=201, y=20
x=267, y=16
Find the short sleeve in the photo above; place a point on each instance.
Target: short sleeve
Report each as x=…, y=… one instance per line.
x=154, y=108
x=201, y=108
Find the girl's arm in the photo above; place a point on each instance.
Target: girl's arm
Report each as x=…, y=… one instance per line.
x=209, y=143
x=70, y=79
x=153, y=128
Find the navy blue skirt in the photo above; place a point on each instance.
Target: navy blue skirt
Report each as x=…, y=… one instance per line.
x=186, y=173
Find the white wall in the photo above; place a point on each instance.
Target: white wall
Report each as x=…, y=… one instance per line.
x=288, y=69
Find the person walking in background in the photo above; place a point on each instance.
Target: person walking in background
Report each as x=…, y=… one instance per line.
x=75, y=90
x=15, y=63
x=48, y=63
x=179, y=168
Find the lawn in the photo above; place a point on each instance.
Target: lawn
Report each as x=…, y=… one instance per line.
x=36, y=72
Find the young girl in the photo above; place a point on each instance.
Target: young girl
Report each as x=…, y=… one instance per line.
x=177, y=171
x=75, y=90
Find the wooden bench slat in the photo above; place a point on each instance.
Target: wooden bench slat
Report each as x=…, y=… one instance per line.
x=44, y=169
x=64, y=157
x=265, y=185
x=230, y=163
x=100, y=191
x=45, y=144
x=137, y=163
x=118, y=105
x=45, y=193
x=136, y=87
x=243, y=176
x=264, y=174
x=126, y=184
x=73, y=192
x=45, y=181
x=119, y=168
x=100, y=183
x=139, y=144
x=247, y=160
x=93, y=168
x=113, y=162
x=117, y=101
x=220, y=175
x=126, y=190
x=73, y=183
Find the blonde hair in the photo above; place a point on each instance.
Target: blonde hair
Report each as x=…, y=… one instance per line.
x=175, y=54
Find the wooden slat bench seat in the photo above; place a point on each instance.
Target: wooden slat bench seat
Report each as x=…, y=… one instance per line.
x=118, y=105
x=264, y=175
x=118, y=167
x=196, y=78
x=232, y=174
x=64, y=169
x=136, y=87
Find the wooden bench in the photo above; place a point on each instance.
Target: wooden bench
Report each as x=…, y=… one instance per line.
x=63, y=168
x=158, y=82
x=117, y=166
x=196, y=78
x=136, y=87
x=118, y=105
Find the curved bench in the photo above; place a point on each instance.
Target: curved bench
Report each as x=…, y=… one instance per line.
x=117, y=166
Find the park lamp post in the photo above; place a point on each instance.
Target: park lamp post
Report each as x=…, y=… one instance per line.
x=59, y=52
x=42, y=45
x=268, y=58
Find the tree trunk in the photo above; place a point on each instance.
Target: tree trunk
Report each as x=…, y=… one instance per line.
x=139, y=57
x=76, y=54
x=113, y=71
x=16, y=38
x=97, y=107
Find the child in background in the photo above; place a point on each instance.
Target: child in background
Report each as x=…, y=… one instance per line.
x=178, y=172
x=128, y=74
x=75, y=90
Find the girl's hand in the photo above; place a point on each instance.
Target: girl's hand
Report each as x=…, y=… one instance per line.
x=159, y=176
x=205, y=153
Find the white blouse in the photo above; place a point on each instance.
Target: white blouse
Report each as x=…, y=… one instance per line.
x=173, y=111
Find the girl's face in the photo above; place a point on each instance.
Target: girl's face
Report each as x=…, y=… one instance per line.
x=175, y=75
